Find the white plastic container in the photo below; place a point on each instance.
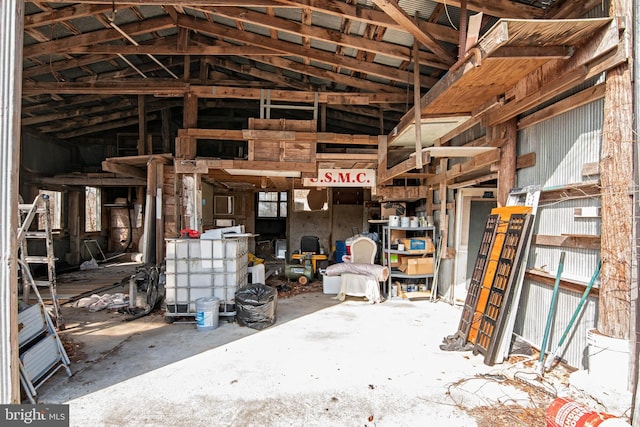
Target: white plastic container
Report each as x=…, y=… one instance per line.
x=330, y=285
x=257, y=274
x=608, y=360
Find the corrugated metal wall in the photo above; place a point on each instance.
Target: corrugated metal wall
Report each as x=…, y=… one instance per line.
x=562, y=145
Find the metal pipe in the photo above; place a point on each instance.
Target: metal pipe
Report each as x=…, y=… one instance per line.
x=131, y=65
x=577, y=311
x=550, y=315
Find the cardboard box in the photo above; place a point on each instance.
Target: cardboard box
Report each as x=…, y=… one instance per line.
x=416, y=265
x=394, y=260
x=424, y=244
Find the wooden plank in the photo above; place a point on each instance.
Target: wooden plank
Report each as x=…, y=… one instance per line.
x=269, y=135
x=589, y=169
x=576, y=241
x=397, y=193
x=526, y=160
x=567, y=284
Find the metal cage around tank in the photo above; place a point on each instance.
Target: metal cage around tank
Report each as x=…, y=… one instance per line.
x=203, y=268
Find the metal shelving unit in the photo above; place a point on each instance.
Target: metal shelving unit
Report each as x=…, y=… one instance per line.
x=387, y=251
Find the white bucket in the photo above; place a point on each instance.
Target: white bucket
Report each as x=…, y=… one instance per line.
x=394, y=221
x=608, y=360
x=405, y=221
x=207, y=312
x=414, y=222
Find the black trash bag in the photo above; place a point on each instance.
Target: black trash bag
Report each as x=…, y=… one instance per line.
x=256, y=306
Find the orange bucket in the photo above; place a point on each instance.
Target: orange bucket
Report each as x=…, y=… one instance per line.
x=564, y=412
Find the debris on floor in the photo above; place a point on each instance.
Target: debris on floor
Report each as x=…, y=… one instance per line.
x=287, y=289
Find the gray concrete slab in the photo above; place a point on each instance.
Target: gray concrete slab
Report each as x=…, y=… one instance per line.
x=323, y=363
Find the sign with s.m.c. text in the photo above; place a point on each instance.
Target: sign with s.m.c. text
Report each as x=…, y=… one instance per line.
x=342, y=178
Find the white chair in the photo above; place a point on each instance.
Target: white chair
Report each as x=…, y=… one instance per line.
x=363, y=251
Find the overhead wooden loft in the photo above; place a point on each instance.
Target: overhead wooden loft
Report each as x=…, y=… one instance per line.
x=489, y=83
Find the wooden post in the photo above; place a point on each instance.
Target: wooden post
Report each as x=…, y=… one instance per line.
x=416, y=103
x=166, y=130
x=504, y=136
x=74, y=228
x=616, y=169
x=142, y=125
x=462, y=43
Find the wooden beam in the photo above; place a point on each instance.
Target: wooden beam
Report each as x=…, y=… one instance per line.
x=400, y=16
x=122, y=169
x=472, y=182
x=328, y=35
x=581, y=190
x=288, y=48
x=533, y=52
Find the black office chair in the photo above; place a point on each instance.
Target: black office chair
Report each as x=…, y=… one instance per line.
x=310, y=244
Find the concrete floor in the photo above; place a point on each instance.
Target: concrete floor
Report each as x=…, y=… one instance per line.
x=323, y=363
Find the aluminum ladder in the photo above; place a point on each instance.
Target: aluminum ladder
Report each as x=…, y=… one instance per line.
x=27, y=213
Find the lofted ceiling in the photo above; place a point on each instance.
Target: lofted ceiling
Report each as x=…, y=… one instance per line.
x=89, y=64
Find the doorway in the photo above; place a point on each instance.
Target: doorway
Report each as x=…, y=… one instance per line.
x=473, y=206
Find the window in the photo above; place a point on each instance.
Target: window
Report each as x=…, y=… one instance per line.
x=55, y=209
x=272, y=204
x=223, y=205
x=92, y=210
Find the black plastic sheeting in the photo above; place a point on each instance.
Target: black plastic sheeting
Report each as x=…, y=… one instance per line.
x=256, y=306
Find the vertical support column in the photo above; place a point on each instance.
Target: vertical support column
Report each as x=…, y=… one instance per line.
x=504, y=136
x=444, y=220
x=416, y=103
x=142, y=125
x=73, y=257
x=188, y=146
x=149, y=241
x=159, y=171
x=616, y=176
x=11, y=22
x=382, y=158
x=166, y=130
